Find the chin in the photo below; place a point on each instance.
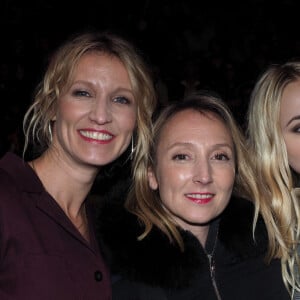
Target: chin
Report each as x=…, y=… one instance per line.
x=199, y=221
x=99, y=159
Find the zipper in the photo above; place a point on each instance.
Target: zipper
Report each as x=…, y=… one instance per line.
x=212, y=269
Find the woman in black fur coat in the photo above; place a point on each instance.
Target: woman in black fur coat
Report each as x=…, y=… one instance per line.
x=184, y=233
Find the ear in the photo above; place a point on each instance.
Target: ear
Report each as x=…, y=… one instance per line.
x=152, y=179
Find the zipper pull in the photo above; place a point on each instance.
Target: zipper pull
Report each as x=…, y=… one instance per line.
x=212, y=275
x=211, y=265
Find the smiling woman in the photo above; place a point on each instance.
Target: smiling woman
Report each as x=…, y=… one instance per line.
x=96, y=114
x=194, y=169
x=189, y=231
x=95, y=97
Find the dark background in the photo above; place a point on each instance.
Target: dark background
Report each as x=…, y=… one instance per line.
x=219, y=45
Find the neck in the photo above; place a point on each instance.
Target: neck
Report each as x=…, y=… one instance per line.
x=69, y=186
x=70, y=195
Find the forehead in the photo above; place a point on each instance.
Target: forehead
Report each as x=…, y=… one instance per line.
x=192, y=124
x=101, y=67
x=99, y=59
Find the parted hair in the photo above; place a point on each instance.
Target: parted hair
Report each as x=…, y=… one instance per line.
x=58, y=77
x=277, y=200
x=146, y=203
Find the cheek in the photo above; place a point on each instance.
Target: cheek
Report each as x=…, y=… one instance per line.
x=292, y=146
x=292, y=143
x=66, y=119
x=170, y=183
x=226, y=179
x=63, y=122
x=127, y=121
x=69, y=112
x=171, y=176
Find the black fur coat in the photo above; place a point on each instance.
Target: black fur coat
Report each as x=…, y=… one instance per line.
x=156, y=269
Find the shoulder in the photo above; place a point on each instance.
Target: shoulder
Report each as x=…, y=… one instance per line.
x=236, y=229
x=153, y=260
x=17, y=180
x=8, y=174
x=14, y=171
x=238, y=211
x=8, y=186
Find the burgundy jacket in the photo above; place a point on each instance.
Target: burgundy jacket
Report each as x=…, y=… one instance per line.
x=42, y=255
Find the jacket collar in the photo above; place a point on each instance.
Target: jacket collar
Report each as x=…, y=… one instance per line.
x=155, y=260
x=29, y=182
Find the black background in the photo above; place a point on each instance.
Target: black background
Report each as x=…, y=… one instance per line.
x=223, y=44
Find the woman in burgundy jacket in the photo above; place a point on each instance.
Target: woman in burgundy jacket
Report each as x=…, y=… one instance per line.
x=91, y=106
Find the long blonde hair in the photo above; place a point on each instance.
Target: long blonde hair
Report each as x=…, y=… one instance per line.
x=277, y=201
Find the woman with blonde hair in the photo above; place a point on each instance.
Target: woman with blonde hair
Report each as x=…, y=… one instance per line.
x=187, y=231
x=93, y=105
x=274, y=140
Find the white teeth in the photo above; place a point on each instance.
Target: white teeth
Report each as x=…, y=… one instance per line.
x=96, y=135
x=200, y=196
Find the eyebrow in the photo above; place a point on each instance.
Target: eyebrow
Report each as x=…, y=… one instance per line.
x=215, y=146
x=118, y=89
x=123, y=89
x=293, y=119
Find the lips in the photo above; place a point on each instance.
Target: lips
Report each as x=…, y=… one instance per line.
x=200, y=198
x=97, y=136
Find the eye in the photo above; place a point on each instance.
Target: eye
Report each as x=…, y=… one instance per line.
x=296, y=129
x=221, y=156
x=180, y=157
x=121, y=100
x=80, y=93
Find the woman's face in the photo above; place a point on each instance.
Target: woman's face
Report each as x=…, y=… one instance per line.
x=96, y=116
x=195, y=168
x=290, y=123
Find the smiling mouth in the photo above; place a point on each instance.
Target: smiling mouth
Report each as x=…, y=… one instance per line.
x=97, y=136
x=200, y=198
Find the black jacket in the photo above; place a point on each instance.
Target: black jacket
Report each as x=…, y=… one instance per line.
x=156, y=269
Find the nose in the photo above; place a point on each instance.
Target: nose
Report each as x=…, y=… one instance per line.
x=100, y=112
x=202, y=173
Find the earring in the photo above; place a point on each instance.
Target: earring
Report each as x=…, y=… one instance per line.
x=130, y=156
x=50, y=131
x=132, y=148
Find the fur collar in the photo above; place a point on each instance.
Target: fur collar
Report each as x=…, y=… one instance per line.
x=156, y=261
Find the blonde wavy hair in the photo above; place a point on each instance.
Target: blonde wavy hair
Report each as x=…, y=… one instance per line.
x=146, y=204
x=277, y=200
x=58, y=77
